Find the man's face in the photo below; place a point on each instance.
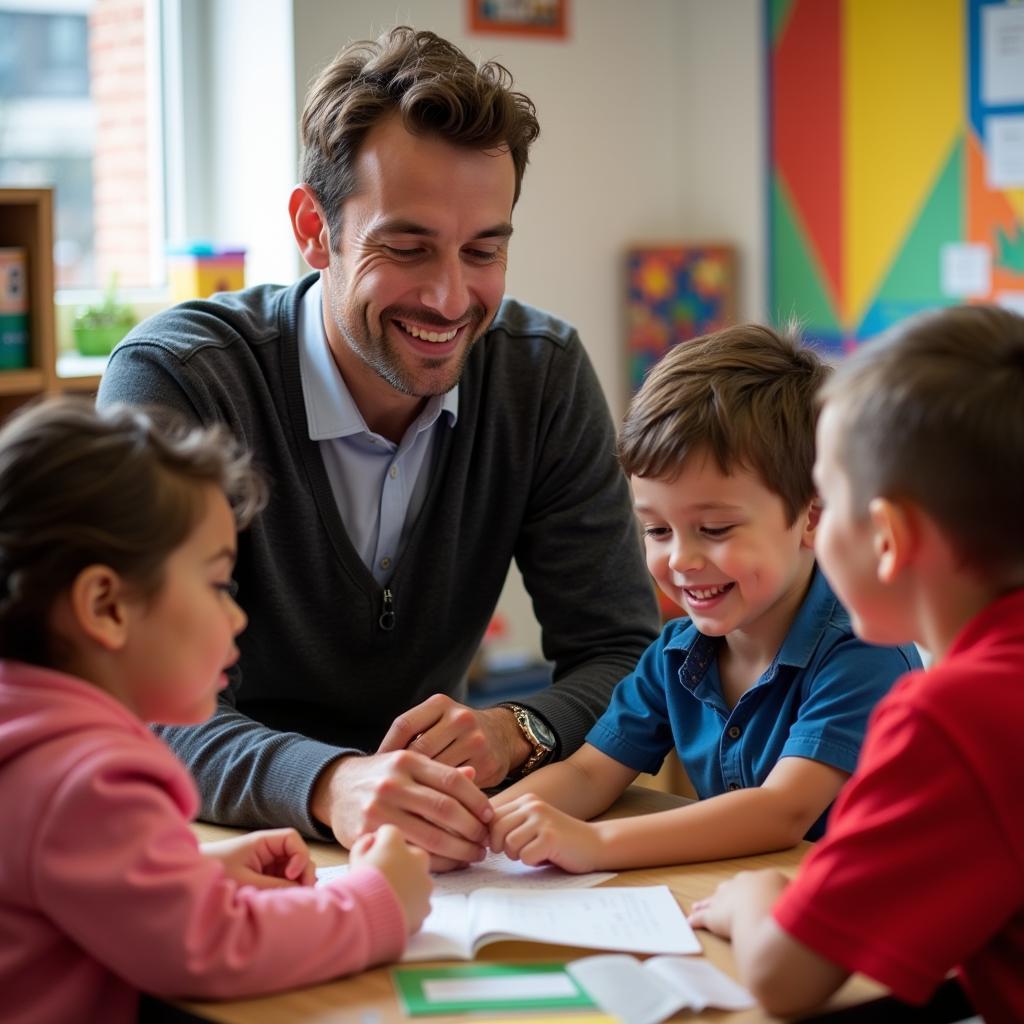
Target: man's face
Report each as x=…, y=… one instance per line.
x=419, y=270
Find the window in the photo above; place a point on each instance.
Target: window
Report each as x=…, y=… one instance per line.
x=80, y=110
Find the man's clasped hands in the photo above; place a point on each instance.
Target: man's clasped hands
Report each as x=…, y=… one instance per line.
x=418, y=805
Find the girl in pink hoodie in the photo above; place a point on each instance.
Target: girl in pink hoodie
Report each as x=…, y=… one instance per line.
x=117, y=543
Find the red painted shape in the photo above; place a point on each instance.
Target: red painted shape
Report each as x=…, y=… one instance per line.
x=806, y=132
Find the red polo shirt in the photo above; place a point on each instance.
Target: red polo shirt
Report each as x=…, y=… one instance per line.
x=922, y=868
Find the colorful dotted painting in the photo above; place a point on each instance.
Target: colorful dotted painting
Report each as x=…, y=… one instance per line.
x=676, y=293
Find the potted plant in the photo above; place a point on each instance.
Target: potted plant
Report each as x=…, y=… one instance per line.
x=99, y=327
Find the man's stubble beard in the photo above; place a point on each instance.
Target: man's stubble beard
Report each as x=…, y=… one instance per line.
x=377, y=352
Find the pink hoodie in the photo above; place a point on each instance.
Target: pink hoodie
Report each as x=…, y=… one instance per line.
x=103, y=890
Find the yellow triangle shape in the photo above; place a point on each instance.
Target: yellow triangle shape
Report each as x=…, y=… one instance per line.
x=904, y=92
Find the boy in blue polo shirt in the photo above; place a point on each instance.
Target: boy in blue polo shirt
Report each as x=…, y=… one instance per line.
x=764, y=691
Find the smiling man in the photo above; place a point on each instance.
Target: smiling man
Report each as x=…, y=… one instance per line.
x=419, y=431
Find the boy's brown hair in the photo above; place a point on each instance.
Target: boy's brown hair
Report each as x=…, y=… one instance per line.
x=933, y=413
x=117, y=487
x=745, y=395
x=436, y=89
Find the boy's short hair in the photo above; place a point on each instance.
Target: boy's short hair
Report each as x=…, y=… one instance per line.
x=120, y=487
x=746, y=395
x=933, y=412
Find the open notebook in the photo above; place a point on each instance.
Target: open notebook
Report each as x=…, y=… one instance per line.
x=634, y=920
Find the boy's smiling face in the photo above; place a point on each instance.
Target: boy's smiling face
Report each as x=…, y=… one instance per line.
x=719, y=546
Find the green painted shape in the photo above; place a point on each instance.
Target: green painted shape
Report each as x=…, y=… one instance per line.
x=1011, y=251
x=915, y=274
x=778, y=14
x=798, y=288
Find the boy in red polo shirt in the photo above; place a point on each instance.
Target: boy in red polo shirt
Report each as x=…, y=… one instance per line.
x=920, y=464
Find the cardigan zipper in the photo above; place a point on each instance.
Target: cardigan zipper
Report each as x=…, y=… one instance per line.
x=387, y=615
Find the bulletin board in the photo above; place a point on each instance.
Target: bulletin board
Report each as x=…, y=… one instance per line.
x=896, y=151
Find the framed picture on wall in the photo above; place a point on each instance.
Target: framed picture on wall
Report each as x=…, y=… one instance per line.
x=675, y=293
x=546, y=18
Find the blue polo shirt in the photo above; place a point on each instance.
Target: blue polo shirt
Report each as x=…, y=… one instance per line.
x=812, y=701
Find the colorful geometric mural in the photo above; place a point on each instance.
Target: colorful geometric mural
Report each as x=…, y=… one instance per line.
x=878, y=162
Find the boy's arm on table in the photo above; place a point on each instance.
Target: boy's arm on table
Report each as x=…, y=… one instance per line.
x=785, y=976
x=773, y=816
x=584, y=785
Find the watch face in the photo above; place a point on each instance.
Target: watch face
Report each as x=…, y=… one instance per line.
x=541, y=730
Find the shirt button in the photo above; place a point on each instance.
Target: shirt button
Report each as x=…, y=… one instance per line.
x=393, y=472
x=734, y=785
x=385, y=563
x=734, y=732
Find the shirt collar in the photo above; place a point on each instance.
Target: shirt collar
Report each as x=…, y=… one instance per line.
x=818, y=608
x=330, y=409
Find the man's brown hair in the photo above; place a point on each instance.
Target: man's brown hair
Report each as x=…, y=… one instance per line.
x=118, y=487
x=435, y=88
x=933, y=413
x=745, y=395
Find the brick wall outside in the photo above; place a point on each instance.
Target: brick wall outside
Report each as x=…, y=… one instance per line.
x=121, y=180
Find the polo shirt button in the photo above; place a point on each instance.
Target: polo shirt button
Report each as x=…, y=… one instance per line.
x=735, y=732
x=734, y=785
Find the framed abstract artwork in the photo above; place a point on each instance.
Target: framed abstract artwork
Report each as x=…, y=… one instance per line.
x=531, y=18
x=675, y=293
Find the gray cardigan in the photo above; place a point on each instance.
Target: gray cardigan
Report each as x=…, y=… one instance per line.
x=528, y=472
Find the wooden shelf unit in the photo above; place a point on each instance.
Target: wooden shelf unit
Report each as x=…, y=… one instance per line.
x=26, y=221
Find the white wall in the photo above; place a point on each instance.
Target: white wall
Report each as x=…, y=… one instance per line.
x=651, y=129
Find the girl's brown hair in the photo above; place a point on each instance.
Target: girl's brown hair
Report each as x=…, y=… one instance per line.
x=119, y=487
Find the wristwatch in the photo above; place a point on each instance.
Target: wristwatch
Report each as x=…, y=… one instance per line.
x=538, y=734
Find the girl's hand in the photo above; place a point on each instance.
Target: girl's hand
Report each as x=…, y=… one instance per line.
x=405, y=867
x=530, y=830
x=272, y=859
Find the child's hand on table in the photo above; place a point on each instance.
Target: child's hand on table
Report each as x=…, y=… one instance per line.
x=749, y=890
x=272, y=859
x=530, y=830
x=405, y=867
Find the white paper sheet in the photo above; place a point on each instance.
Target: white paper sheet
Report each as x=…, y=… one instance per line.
x=497, y=870
x=648, y=992
x=1004, y=148
x=1002, y=54
x=965, y=269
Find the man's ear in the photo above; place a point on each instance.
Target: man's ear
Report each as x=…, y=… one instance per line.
x=893, y=536
x=813, y=514
x=309, y=227
x=98, y=603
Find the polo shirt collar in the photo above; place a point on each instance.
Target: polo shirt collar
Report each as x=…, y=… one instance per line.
x=331, y=412
x=816, y=611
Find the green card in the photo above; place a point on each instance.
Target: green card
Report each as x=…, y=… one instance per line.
x=482, y=986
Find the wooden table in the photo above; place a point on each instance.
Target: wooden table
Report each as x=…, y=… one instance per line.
x=369, y=998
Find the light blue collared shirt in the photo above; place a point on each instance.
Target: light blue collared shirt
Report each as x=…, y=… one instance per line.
x=378, y=486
